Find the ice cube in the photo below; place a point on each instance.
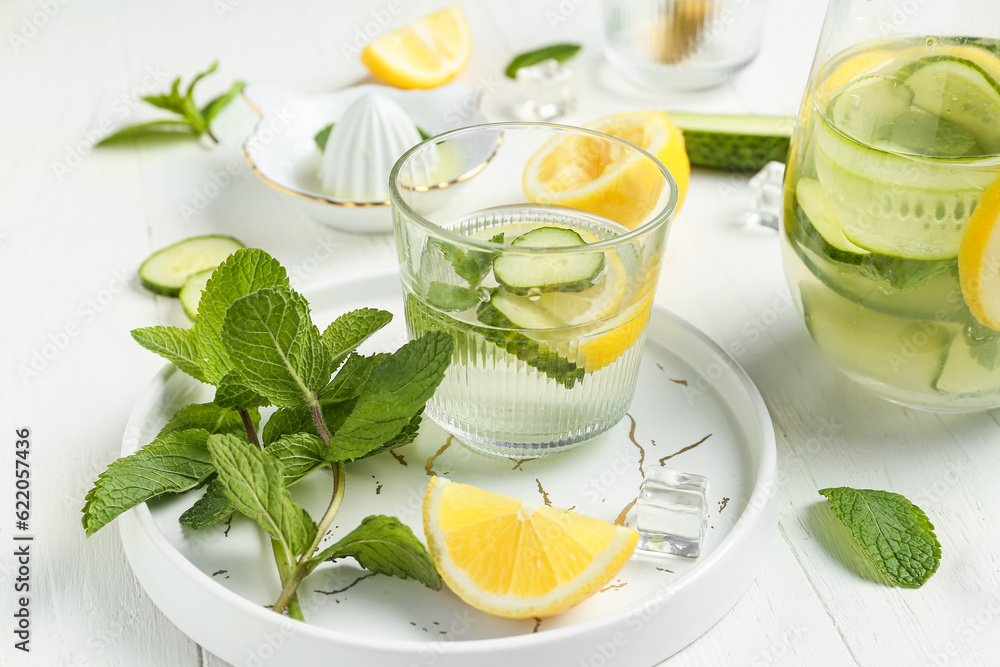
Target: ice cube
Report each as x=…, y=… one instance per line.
x=672, y=512
x=546, y=90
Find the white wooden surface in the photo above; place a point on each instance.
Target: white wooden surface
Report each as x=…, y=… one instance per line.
x=71, y=241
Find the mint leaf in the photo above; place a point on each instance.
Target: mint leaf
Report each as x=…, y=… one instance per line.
x=232, y=392
x=173, y=463
x=464, y=266
x=904, y=274
x=893, y=532
x=254, y=483
x=210, y=509
x=243, y=272
x=345, y=333
x=350, y=378
x=323, y=136
x=212, y=418
x=277, y=350
x=451, y=298
x=299, y=454
x=174, y=344
x=287, y=421
x=382, y=544
x=560, y=52
x=216, y=105
x=404, y=437
x=146, y=129
x=984, y=345
x=395, y=392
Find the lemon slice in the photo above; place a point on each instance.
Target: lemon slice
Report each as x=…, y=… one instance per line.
x=586, y=173
x=424, y=54
x=979, y=259
x=514, y=559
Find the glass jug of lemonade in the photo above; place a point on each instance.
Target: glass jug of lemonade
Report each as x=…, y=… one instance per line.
x=889, y=208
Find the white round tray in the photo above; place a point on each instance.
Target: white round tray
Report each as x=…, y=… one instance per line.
x=214, y=583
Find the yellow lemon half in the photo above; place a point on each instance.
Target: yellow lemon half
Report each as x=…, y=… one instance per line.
x=424, y=54
x=514, y=559
x=586, y=173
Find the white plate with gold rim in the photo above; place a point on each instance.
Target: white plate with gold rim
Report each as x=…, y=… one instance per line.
x=214, y=584
x=283, y=153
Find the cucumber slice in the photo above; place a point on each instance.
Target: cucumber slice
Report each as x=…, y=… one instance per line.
x=963, y=374
x=734, y=142
x=868, y=104
x=563, y=272
x=165, y=271
x=893, y=205
x=897, y=351
x=190, y=293
x=820, y=229
x=960, y=91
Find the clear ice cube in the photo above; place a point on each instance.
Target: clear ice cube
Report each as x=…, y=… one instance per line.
x=546, y=90
x=672, y=512
x=766, y=188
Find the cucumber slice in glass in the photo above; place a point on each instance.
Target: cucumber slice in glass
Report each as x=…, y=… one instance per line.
x=867, y=104
x=190, y=293
x=165, y=271
x=820, y=229
x=897, y=351
x=961, y=92
x=557, y=272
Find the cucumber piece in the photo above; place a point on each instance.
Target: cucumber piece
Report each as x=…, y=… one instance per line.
x=190, y=293
x=893, y=205
x=923, y=134
x=820, y=228
x=963, y=374
x=959, y=91
x=868, y=104
x=734, y=142
x=562, y=272
x=897, y=351
x=165, y=271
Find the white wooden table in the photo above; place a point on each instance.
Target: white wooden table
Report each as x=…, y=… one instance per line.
x=75, y=225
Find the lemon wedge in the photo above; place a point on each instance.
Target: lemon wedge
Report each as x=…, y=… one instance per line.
x=586, y=173
x=514, y=559
x=423, y=54
x=979, y=259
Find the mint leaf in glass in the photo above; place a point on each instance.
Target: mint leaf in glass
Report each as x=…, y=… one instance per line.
x=172, y=463
x=382, y=544
x=451, y=298
x=894, y=533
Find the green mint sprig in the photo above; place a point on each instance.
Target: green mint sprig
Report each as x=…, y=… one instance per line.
x=560, y=52
x=193, y=119
x=255, y=341
x=893, y=533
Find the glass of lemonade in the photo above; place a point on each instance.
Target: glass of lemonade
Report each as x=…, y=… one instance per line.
x=898, y=139
x=538, y=248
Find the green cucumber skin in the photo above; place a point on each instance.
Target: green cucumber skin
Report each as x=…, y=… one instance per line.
x=170, y=290
x=560, y=369
x=739, y=143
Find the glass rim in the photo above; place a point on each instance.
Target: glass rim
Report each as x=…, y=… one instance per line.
x=661, y=218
